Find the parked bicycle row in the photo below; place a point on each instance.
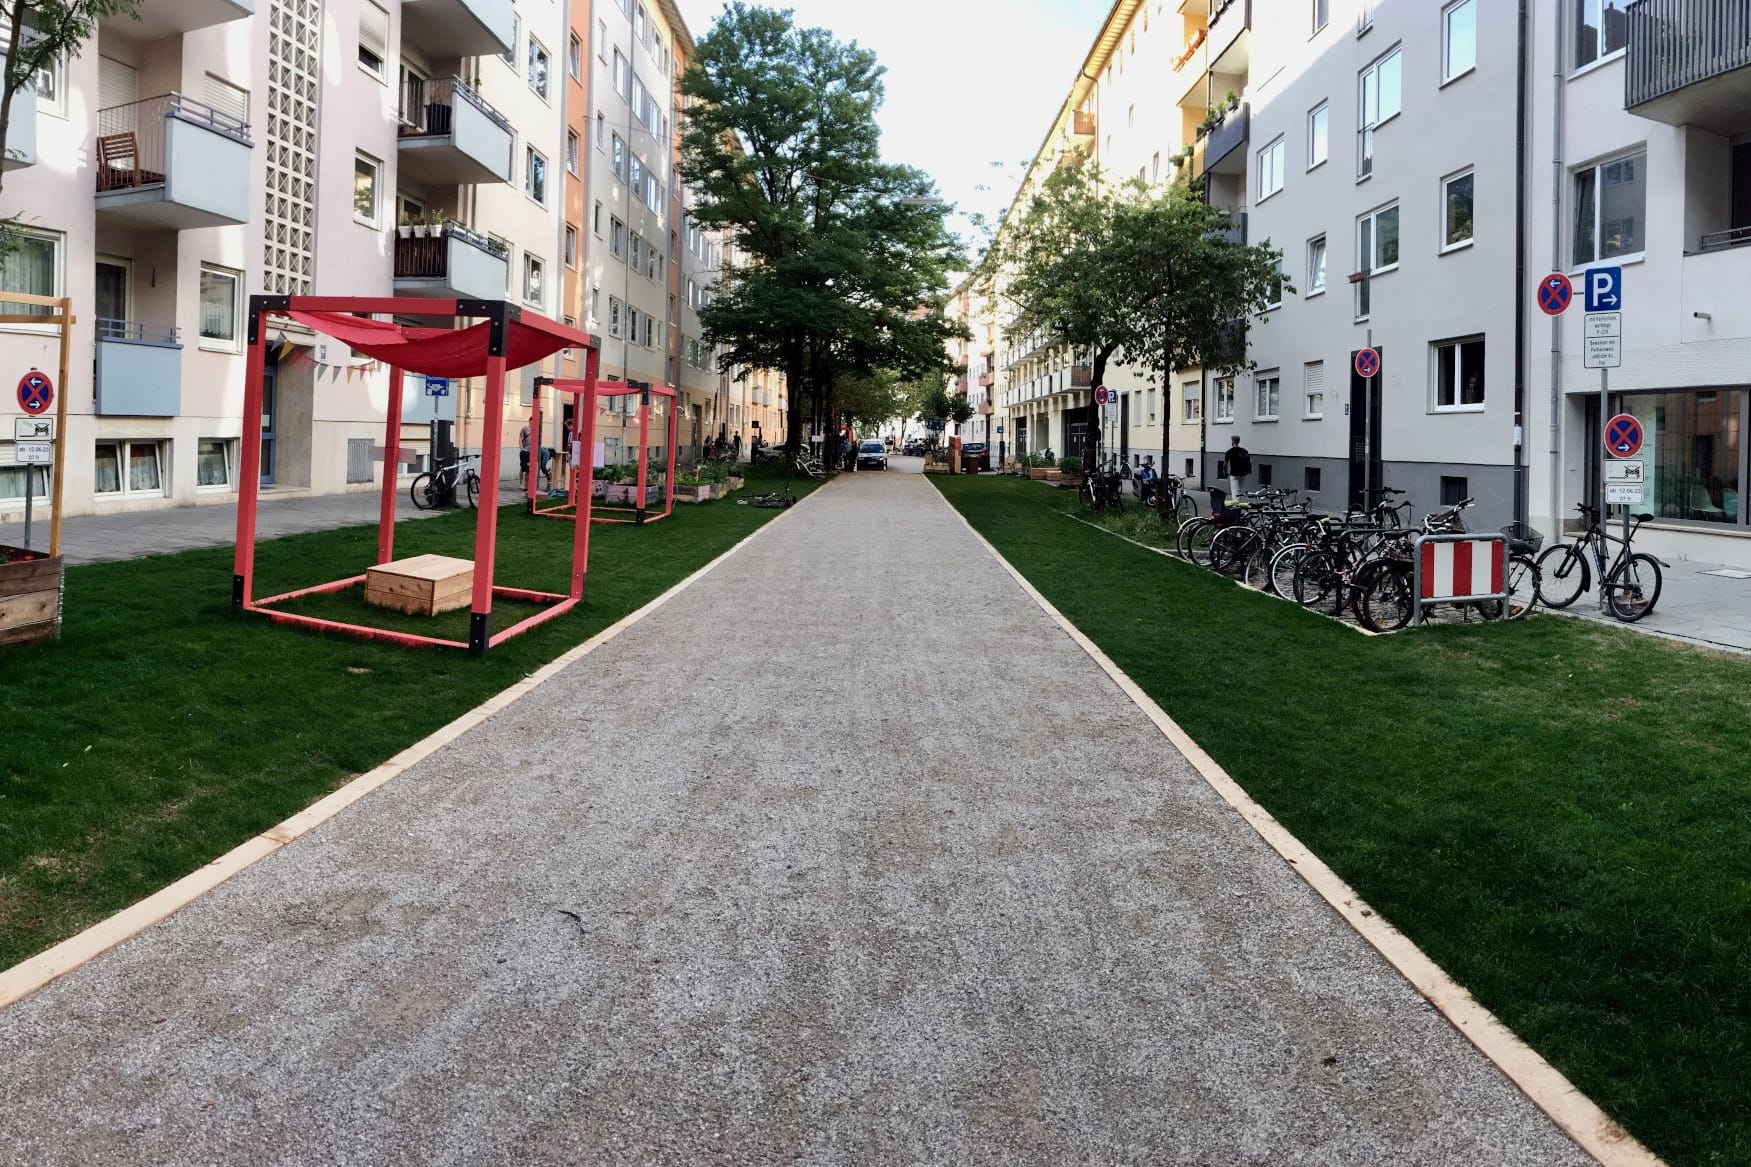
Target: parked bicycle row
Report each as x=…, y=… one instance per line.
x=1360, y=563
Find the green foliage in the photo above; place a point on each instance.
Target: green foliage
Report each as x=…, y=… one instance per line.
x=1145, y=273
x=1070, y=465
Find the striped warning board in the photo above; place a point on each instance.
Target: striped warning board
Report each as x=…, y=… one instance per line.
x=1464, y=569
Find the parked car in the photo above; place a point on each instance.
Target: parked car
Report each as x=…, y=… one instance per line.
x=916, y=448
x=872, y=455
x=975, y=457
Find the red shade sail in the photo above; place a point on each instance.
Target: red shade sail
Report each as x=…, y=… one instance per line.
x=444, y=352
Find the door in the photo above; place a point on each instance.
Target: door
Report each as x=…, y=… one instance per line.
x=112, y=297
x=1020, y=436
x=269, y=402
x=1365, y=426
x=1742, y=185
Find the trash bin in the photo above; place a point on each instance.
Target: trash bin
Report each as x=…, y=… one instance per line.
x=975, y=457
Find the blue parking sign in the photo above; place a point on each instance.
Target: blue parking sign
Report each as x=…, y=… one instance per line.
x=1604, y=288
x=437, y=386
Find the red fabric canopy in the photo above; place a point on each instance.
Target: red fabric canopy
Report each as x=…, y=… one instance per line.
x=444, y=352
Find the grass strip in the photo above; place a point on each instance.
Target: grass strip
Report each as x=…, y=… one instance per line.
x=1556, y=811
x=163, y=728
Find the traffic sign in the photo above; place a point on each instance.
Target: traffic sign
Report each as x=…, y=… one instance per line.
x=34, y=453
x=1623, y=436
x=1626, y=470
x=1604, y=288
x=33, y=429
x=437, y=386
x=35, y=392
x=1367, y=362
x=1103, y=395
x=1554, y=293
x=999, y=431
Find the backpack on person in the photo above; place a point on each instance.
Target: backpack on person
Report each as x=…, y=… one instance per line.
x=1239, y=462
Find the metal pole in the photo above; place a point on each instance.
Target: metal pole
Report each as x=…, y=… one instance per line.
x=1604, y=456
x=29, y=494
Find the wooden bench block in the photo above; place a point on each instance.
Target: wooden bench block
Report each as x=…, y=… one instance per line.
x=30, y=600
x=423, y=586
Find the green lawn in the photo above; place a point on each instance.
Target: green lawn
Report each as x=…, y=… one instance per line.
x=1557, y=812
x=164, y=729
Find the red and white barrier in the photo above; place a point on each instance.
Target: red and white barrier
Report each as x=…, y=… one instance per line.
x=1461, y=569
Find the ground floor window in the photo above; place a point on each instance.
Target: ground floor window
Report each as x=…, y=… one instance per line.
x=128, y=468
x=13, y=480
x=215, y=463
x=1694, y=450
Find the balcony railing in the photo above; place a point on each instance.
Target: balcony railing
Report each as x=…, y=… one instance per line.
x=131, y=138
x=138, y=370
x=1082, y=122
x=137, y=331
x=1721, y=240
x=429, y=258
x=1676, y=43
x=428, y=105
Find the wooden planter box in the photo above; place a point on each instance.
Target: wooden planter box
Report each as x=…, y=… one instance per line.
x=30, y=596
x=736, y=482
x=626, y=494
x=936, y=468
x=704, y=492
x=423, y=586
x=1068, y=480
x=1040, y=473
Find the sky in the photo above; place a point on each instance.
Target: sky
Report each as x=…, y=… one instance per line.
x=969, y=82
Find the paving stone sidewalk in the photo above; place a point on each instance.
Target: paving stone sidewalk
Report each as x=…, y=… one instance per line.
x=869, y=885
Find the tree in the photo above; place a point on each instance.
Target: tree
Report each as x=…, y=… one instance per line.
x=1146, y=275
x=843, y=259
x=41, y=33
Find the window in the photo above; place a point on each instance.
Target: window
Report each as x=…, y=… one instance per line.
x=226, y=98
x=373, y=39
x=1224, y=399
x=595, y=305
x=616, y=237
x=51, y=85
x=1155, y=167
x=1150, y=399
x=574, y=58
x=1601, y=28
x=601, y=131
x=596, y=221
x=571, y=151
x=1316, y=265
x=33, y=266
x=1276, y=300
x=1310, y=479
x=532, y=273
x=617, y=158
x=602, y=41
x=635, y=175
x=1270, y=170
x=129, y=468
x=571, y=245
x=15, y=480
x=535, y=175
x=1313, y=389
x=1269, y=387
x=1265, y=475
x=1459, y=39
x=219, y=304
x=622, y=76
x=1456, y=211
x=1376, y=251
x=1321, y=14
x=1318, y=145
x=1381, y=86
x=366, y=171
x=516, y=39
x=1693, y=450
x=1191, y=402
x=213, y=463
x=1459, y=374
x=538, y=68
x=1454, y=490
x=1610, y=200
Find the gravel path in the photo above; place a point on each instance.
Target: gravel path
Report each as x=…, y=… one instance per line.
x=895, y=877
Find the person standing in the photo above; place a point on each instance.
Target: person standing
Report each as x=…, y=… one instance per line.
x=523, y=456
x=1237, y=464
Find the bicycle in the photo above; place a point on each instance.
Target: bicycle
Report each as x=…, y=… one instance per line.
x=1102, y=487
x=437, y=488
x=1631, y=585
x=1173, y=500
x=810, y=464
x=773, y=500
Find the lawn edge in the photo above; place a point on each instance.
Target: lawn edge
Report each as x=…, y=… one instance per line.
x=1577, y=1115
x=36, y=972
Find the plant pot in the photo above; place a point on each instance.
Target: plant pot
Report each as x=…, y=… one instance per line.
x=30, y=595
x=405, y=232
x=420, y=230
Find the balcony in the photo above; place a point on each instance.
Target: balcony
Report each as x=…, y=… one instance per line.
x=1225, y=144
x=1689, y=64
x=1235, y=232
x=987, y=379
x=458, y=28
x=455, y=264
x=450, y=137
x=1229, y=42
x=21, y=131
x=1082, y=123
x=139, y=369
x=171, y=163
x=1081, y=377
x=162, y=18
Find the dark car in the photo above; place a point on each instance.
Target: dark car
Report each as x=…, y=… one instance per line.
x=916, y=448
x=975, y=457
x=872, y=455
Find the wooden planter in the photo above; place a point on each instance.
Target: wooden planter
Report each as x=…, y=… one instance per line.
x=1069, y=480
x=626, y=494
x=736, y=482
x=1040, y=473
x=423, y=586
x=704, y=492
x=30, y=596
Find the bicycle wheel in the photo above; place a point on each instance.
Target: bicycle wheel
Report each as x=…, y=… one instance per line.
x=1316, y=579
x=1634, y=588
x=1522, y=586
x=1232, y=549
x=1187, y=506
x=1087, y=494
x=1384, y=599
x=472, y=484
x=1257, y=572
x=423, y=496
x=1562, y=576
x=1198, y=550
x=1282, y=569
x=1182, y=541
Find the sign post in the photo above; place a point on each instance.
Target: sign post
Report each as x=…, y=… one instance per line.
x=1602, y=349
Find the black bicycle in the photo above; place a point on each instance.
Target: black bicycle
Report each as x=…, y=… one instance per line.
x=773, y=500
x=1631, y=584
x=1103, y=486
x=438, y=488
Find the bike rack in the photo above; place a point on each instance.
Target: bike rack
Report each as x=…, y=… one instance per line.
x=1454, y=577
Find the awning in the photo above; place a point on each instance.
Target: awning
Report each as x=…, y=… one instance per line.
x=445, y=352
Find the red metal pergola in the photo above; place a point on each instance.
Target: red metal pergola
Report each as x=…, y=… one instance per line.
x=586, y=394
x=505, y=338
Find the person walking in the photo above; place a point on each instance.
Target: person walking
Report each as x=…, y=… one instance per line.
x=1237, y=464
x=523, y=456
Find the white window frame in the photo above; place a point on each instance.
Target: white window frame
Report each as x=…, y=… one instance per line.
x=219, y=344
x=1319, y=135
x=1222, y=401
x=1460, y=244
x=51, y=87
x=574, y=57
x=1571, y=14
x=1369, y=264
x=1267, y=405
x=1578, y=261
x=378, y=48
x=1316, y=273
x=58, y=262
x=571, y=152
x=1191, y=402
x=530, y=157
x=511, y=56
x=539, y=50
x=1438, y=352
x=615, y=312
x=534, y=276
x=602, y=41
x=1270, y=164
x=1321, y=16
x=28, y=475
x=1308, y=412
x=228, y=448
x=571, y=246
x=1368, y=126
x=375, y=219
x=1448, y=74
x=124, y=459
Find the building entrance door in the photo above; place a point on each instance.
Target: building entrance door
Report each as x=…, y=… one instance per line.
x=269, y=404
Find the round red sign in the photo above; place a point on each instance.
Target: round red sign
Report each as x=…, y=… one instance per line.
x=1367, y=362
x=35, y=392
